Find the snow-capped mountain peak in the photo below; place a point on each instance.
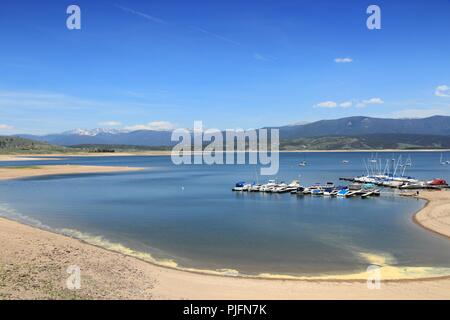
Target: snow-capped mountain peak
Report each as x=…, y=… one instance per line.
x=93, y=132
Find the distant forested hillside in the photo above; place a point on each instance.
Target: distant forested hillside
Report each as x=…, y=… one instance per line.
x=10, y=144
x=357, y=126
x=373, y=141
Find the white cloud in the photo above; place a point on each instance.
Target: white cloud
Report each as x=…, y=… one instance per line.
x=442, y=91
x=110, y=123
x=326, y=104
x=343, y=60
x=155, y=125
x=365, y=103
x=5, y=127
x=349, y=103
x=373, y=101
x=346, y=104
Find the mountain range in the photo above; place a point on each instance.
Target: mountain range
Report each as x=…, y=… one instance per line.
x=363, y=129
x=105, y=136
x=355, y=126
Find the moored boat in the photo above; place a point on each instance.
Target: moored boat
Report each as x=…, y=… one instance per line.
x=438, y=182
x=342, y=193
x=298, y=191
x=239, y=186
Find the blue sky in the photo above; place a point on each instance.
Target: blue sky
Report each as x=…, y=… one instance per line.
x=231, y=64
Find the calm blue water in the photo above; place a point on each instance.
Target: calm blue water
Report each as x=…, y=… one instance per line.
x=189, y=214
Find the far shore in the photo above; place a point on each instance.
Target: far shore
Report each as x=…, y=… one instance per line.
x=371, y=150
x=55, y=156
x=60, y=156
x=34, y=262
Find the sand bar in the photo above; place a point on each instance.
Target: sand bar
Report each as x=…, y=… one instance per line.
x=33, y=171
x=4, y=157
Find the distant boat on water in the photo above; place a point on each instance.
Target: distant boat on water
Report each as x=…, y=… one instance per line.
x=303, y=163
x=444, y=162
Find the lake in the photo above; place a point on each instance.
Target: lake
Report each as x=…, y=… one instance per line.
x=188, y=214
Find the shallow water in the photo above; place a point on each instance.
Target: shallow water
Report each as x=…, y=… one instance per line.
x=188, y=214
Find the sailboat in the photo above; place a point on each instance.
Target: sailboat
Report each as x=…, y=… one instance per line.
x=373, y=159
x=408, y=162
x=444, y=162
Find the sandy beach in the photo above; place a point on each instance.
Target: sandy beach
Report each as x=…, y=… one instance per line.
x=435, y=216
x=34, y=262
x=4, y=157
x=33, y=171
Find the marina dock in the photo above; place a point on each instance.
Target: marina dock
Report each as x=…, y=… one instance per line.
x=370, y=184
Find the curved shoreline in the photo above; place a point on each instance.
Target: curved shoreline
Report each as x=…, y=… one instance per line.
x=113, y=275
x=147, y=258
x=391, y=273
x=214, y=277
x=428, y=217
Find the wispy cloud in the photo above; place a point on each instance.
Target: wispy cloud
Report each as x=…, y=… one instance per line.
x=162, y=21
x=343, y=60
x=141, y=14
x=44, y=100
x=372, y=101
x=215, y=35
x=154, y=125
x=110, y=123
x=5, y=127
x=442, y=91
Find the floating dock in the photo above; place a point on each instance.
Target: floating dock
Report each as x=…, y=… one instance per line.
x=328, y=190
